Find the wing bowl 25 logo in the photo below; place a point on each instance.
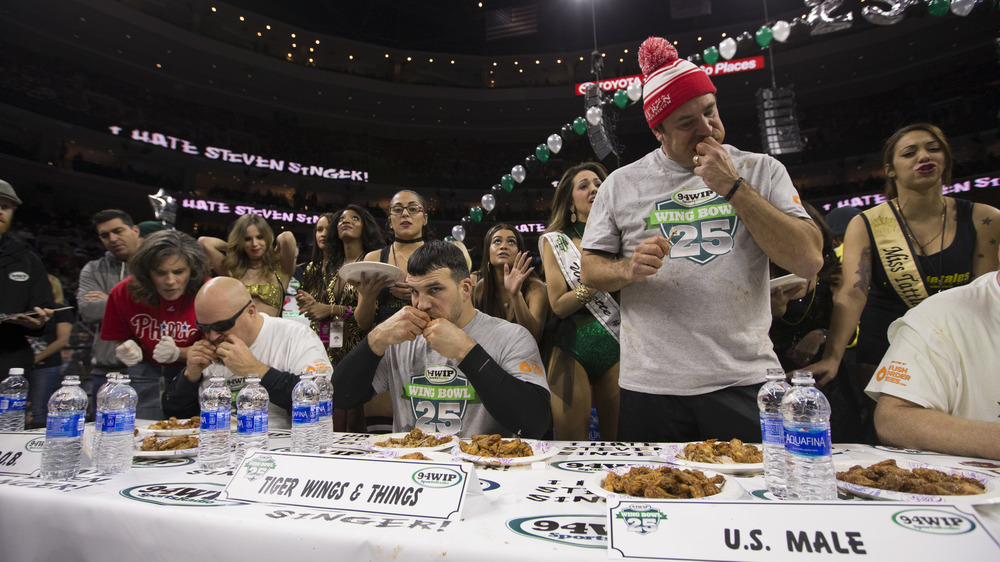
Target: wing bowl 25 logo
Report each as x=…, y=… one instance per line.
x=189, y=494
x=258, y=466
x=641, y=518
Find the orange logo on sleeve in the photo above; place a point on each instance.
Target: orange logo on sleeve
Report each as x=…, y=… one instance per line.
x=895, y=373
x=797, y=199
x=532, y=367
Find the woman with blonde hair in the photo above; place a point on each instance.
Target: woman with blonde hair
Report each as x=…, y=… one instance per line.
x=251, y=256
x=585, y=354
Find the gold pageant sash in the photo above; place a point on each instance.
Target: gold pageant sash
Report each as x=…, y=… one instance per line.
x=896, y=254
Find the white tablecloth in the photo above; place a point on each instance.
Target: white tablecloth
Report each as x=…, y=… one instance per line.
x=171, y=510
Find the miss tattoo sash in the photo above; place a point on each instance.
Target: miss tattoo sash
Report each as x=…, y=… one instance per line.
x=896, y=253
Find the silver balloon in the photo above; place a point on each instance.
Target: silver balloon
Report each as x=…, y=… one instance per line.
x=821, y=20
x=781, y=30
x=164, y=207
x=554, y=142
x=891, y=15
x=634, y=91
x=963, y=7
x=594, y=116
x=458, y=231
x=488, y=202
x=518, y=173
x=727, y=48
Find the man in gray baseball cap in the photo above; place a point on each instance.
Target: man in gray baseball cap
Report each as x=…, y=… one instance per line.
x=24, y=288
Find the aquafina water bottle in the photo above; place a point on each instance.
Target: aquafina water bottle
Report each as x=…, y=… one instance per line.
x=324, y=428
x=305, y=415
x=13, y=399
x=251, y=417
x=213, y=439
x=115, y=422
x=63, y=449
x=772, y=433
x=805, y=415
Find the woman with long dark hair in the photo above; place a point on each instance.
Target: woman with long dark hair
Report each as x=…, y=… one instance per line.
x=585, y=351
x=251, y=255
x=917, y=243
x=151, y=315
x=508, y=288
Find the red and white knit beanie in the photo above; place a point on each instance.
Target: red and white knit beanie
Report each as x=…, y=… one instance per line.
x=668, y=82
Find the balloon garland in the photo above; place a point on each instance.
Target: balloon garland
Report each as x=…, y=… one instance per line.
x=552, y=145
x=821, y=19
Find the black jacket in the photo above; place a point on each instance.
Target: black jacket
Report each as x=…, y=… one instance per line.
x=24, y=284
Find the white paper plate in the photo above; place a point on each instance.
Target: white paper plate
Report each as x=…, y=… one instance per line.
x=728, y=491
x=786, y=280
x=351, y=272
x=674, y=453
x=370, y=443
x=434, y=456
x=991, y=495
x=136, y=453
x=543, y=450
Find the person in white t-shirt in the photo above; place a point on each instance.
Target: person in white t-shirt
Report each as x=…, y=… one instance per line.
x=240, y=340
x=937, y=387
x=686, y=233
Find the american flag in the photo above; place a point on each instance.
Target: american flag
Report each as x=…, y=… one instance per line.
x=512, y=21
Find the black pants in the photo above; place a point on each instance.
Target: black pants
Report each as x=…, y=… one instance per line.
x=724, y=414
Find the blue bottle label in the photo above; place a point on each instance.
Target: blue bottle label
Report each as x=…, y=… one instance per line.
x=772, y=431
x=808, y=441
x=325, y=408
x=10, y=404
x=116, y=421
x=215, y=419
x=249, y=422
x=305, y=412
x=64, y=424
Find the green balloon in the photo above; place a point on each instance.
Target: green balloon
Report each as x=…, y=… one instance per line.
x=476, y=213
x=580, y=125
x=507, y=182
x=764, y=35
x=449, y=238
x=938, y=8
x=542, y=152
x=621, y=98
x=711, y=55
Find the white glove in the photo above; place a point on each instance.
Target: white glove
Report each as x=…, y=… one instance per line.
x=166, y=351
x=129, y=353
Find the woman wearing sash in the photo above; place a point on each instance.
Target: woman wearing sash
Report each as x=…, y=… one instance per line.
x=250, y=256
x=585, y=352
x=327, y=300
x=917, y=243
x=507, y=287
x=379, y=298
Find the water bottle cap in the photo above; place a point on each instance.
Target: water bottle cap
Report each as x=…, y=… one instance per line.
x=775, y=374
x=253, y=377
x=16, y=371
x=802, y=377
x=70, y=380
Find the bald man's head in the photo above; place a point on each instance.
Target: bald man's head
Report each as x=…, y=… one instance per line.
x=223, y=306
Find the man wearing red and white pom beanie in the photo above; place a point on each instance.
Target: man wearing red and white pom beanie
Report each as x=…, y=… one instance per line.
x=686, y=233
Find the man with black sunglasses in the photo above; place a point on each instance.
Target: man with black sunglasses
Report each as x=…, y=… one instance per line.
x=239, y=341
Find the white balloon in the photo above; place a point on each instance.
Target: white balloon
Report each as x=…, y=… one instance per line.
x=458, y=231
x=554, y=142
x=727, y=48
x=488, y=202
x=594, y=115
x=518, y=173
x=634, y=91
x=963, y=7
x=781, y=30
